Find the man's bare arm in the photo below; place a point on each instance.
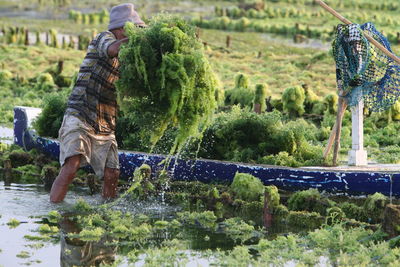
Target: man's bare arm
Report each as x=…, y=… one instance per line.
x=113, y=49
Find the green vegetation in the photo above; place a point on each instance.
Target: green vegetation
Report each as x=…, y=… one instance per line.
x=293, y=101
x=142, y=185
x=315, y=224
x=46, y=229
x=247, y=187
x=167, y=73
x=24, y=255
x=304, y=18
x=166, y=81
x=260, y=96
x=54, y=216
x=89, y=18
x=241, y=94
x=31, y=73
x=309, y=200
x=332, y=238
x=258, y=60
x=241, y=135
x=13, y=223
x=49, y=121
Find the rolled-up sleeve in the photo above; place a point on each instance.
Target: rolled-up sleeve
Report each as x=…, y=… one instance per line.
x=105, y=40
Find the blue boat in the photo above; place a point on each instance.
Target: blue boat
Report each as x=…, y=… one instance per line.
x=349, y=181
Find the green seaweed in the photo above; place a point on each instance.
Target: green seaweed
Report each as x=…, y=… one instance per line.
x=328, y=104
x=238, y=230
x=334, y=215
x=44, y=83
x=37, y=238
x=142, y=187
x=309, y=200
x=248, y=210
x=273, y=197
x=20, y=158
x=49, y=121
x=391, y=221
x=281, y=159
x=247, y=187
x=293, y=101
x=260, y=96
x=166, y=80
x=82, y=206
x=305, y=220
x=353, y=211
x=46, y=229
x=206, y=219
x=374, y=207
x=53, y=216
x=23, y=255
x=241, y=94
x=283, y=248
x=13, y=223
x=29, y=173
x=94, y=234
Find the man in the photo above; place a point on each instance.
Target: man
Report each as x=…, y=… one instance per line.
x=87, y=132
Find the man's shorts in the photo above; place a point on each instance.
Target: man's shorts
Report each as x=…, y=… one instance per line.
x=78, y=138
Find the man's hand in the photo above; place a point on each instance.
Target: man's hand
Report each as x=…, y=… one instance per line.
x=113, y=49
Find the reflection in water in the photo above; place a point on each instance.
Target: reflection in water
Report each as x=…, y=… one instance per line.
x=75, y=252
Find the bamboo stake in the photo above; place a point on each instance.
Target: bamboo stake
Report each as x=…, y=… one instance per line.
x=267, y=213
x=339, y=119
x=330, y=141
x=341, y=111
x=369, y=38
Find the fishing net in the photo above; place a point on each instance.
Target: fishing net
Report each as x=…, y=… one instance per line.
x=363, y=71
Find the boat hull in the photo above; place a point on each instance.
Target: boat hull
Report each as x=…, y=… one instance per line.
x=335, y=181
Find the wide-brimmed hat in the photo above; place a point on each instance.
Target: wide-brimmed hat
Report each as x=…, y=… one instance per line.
x=123, y=13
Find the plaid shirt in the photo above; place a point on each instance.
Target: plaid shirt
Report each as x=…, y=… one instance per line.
x=93, y=98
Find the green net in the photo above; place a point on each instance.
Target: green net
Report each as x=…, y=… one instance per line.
x=363, y=71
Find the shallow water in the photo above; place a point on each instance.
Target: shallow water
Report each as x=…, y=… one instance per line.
x=22, y=202
x=308, y=43
x=6, y=135
x=28, y=203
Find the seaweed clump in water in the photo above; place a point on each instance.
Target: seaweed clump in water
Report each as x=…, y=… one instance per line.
x=247, y=187
x=166, y=81
x=49, y=121
x=309, y=200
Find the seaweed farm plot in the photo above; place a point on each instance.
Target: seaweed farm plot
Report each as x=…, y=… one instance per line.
x=158, y=221
x=243, y=104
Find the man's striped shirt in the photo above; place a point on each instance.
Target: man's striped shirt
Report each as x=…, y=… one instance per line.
x=93, y=98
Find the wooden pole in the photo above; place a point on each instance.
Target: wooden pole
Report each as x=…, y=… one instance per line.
x=26, y=37
x=47, y=39
x=60, y=67
x=267, y=213
x=340, y=112
x=369, y=38
x=339, y=120
x=228, y=41
x=7, y=172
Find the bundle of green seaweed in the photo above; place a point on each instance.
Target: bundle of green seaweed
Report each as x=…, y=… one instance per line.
x=166, y=81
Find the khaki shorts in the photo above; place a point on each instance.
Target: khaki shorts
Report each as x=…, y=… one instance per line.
x=78, y=138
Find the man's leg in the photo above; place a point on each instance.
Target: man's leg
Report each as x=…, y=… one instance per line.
x=67, y=174
x=110, y=183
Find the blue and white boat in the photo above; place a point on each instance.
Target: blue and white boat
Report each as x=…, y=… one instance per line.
x=345, y=180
